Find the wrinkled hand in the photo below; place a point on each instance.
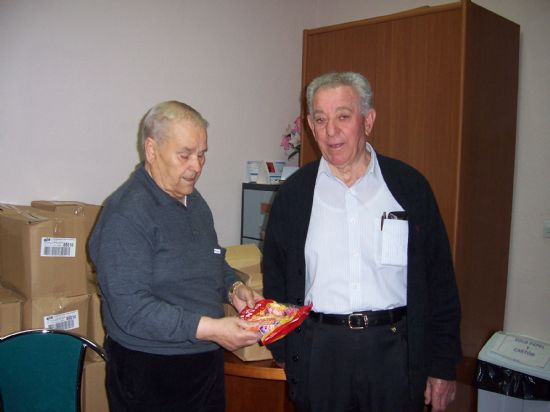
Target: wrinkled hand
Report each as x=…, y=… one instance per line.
x=243, y=297
x=440, y=393
x=230, y=333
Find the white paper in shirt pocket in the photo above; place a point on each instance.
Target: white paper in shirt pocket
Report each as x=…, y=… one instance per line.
x=395, y=239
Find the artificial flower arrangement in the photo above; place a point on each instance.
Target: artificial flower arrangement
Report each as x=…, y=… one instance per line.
x=292, y=138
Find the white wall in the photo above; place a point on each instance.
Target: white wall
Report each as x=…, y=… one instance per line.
x=76, y=76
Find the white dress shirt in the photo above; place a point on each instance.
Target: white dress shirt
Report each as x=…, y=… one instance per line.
x=353, y=263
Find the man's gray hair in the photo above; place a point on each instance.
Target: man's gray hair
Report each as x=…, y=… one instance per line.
x=335, y=79
x=157, y=120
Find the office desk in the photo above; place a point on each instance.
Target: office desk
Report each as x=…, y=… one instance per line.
x=255, y=386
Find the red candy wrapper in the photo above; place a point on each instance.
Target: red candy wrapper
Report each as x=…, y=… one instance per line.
x=275, y=319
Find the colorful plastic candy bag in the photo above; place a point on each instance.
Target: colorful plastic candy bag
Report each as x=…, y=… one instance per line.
x=275, y=319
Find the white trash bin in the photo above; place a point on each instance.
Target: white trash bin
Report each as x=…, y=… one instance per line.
x=513, y=374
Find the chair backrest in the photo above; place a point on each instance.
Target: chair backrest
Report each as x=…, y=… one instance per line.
x=41, y=369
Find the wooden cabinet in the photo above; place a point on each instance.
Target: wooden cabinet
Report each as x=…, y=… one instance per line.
x=445, y=91
x=255, y=386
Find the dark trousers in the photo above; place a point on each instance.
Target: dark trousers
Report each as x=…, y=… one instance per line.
x=355, y=370
x=138, y=381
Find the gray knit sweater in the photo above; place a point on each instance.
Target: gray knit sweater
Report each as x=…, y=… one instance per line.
x=159, y=266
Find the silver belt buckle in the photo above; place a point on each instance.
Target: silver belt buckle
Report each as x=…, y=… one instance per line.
x=358, y=315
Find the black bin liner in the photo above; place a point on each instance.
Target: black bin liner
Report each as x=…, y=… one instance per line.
x=505, y=381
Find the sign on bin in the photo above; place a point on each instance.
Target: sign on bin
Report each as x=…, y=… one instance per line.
x=524, y=350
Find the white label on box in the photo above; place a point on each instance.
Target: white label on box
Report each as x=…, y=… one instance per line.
x=58, y=247
x=524, y=350
x=63, y=321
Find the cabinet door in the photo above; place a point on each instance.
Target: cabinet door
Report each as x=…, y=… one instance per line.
x=418, y=99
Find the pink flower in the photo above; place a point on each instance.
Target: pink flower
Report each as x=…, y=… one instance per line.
x=285, y=143
x=291, y=140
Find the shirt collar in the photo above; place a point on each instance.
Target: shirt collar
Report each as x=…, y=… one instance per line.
x=372, y=169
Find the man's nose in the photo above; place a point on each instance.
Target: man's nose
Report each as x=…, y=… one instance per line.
x=331, y=127
x=195, y=164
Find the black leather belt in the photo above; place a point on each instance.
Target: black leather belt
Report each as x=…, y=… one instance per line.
x=361, y=320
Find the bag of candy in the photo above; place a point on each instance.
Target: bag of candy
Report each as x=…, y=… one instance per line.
x=275, y=320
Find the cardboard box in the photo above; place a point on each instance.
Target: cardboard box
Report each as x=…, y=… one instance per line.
x=252, y=277
x=242, y=256
x=47, y=253
x=246, y=260
x=94, y=392
x=6, y=209
x=96, y=332
x=254, y=352
x=88, y=212
x=91, y=274
x=10, y=208
x=66, y=313
x=11, y=313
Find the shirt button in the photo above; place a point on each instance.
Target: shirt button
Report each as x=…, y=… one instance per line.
x=295, y=358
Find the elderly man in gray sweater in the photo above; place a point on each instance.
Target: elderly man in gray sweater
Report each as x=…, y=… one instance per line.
x=163, y=276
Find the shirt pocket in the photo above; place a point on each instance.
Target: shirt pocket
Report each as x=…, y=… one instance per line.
x=394, y=242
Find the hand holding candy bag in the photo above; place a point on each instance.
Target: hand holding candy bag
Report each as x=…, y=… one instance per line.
x=274, y=320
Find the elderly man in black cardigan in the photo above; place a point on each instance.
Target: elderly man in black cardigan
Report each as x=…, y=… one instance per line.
x=360, y=236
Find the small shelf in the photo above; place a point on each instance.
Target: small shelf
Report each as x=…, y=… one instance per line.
x=255, y=207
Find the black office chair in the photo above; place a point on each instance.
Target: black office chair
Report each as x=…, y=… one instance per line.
x=41, y=370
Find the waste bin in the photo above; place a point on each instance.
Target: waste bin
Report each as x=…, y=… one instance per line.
x=513, y=374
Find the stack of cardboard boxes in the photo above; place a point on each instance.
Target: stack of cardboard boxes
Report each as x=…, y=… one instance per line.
x=46, y=279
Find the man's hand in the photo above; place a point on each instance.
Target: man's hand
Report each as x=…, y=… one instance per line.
x=230, y=333
x=243, y=296
x=440, y=393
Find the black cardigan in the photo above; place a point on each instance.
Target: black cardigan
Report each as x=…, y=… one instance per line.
x=433, y=309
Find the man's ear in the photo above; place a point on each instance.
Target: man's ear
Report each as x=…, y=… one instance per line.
x=310, y=123
x=369, y=121
x=150, y=149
